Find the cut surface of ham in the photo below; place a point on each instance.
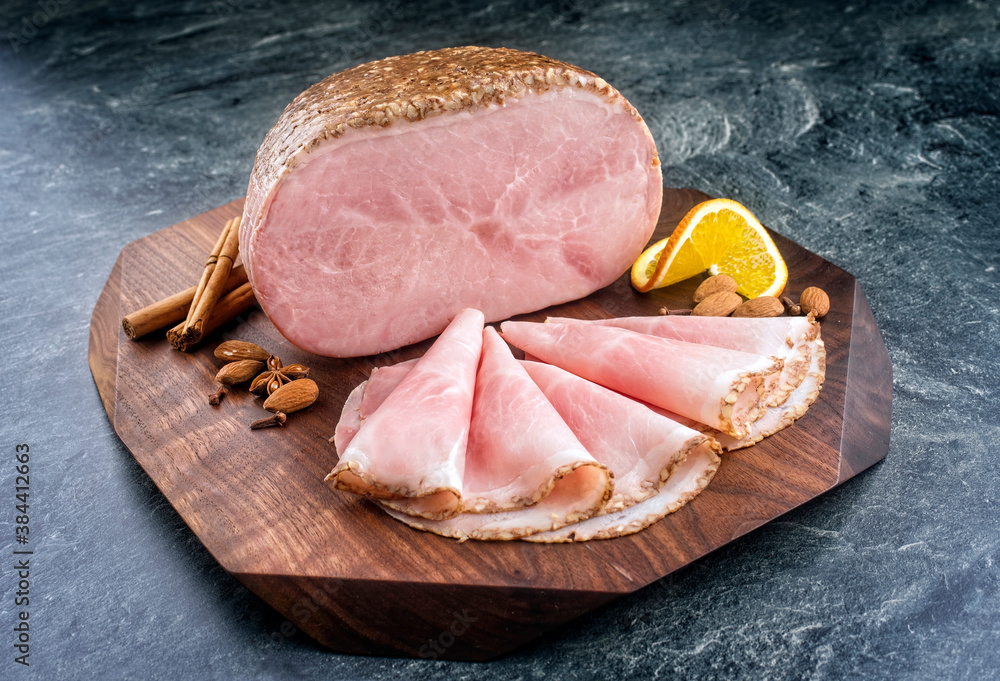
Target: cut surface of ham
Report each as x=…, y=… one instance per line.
x=394, y=194
x=719, y=387
x=411, y=449
x=688, y=480
x=641, y=447
x=520, y=449
x=792, y=339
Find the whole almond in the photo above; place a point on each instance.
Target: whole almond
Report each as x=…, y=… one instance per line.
x=293, y=396
x=815, y=300
x=233, y=350
x=717, y=284
x=719, y=304
x=239, y=371
x=761, y=306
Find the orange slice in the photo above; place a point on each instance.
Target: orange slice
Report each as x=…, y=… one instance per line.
x=720, y=236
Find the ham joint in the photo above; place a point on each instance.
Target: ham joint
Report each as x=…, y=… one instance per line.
x=390, y=196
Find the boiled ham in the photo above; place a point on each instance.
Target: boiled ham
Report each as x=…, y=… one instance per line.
x=553, y=457
x=411, y=450
x=520, y=449
x=520, y=454
x=725, y=389
x=792, y=339
x=642, y=448
x=392, y=195
x=691, y=476
x=652, y=457
x=783, y=415
x=548, y=514
x=365, y=399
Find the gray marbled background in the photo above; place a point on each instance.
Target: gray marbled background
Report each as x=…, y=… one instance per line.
x=867, y=132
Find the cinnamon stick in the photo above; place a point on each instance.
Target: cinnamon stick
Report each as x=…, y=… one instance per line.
x=206, y=273
x=237, y=302
x=172, y=308
x=217, y=273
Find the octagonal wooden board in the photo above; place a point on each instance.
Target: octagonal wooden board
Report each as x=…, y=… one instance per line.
x=359, y=582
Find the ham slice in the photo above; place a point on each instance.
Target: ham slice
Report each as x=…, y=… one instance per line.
x=520, y=448
x=641, y=447
x=687, y=481
x=548, y=514
x=783, y=415
x=792, y=339
x=410, y=451
x=365, y=399
x=722, y=388
x=394, y=194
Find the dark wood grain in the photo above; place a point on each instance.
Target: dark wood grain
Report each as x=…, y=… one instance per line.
x=357, y=581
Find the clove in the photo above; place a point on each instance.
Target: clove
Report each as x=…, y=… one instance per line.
x=217, y=396
x=793, y=309
x=667, y=311
x=276, y=419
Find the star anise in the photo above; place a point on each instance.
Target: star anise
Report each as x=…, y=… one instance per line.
x=276, y=376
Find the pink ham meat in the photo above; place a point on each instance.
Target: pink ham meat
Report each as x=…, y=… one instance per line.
x=525, y=470
x=411, y=450
x=689, y=478
x=642, y=448
x=548, y=514
x=394, y=194
x=725, y=389
x=780, y=416
x=365, y=399
x=792, y=339
x=519, y=446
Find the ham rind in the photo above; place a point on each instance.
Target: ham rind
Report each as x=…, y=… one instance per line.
x=394, y=194
x=551, y=513
x=792, y=339
x=642, y=448
x=411, y=449
x=783, y=415
x=688, y=480
x=520, y=449
x=722, y=388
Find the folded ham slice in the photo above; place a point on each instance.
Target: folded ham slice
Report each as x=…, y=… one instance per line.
x=365, y=399
x=393, y=194
x=719, y=387
x=519, y=446
x=691, y=476
x=520, y=456
x=783, y=415
x=548, y=514
x=410, y=451
x=792, y=339
x=641, y=447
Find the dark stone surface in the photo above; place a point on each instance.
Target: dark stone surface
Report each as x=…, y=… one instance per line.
x=867, y=132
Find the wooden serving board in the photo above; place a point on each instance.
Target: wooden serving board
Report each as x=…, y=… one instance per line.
x=359, y=582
